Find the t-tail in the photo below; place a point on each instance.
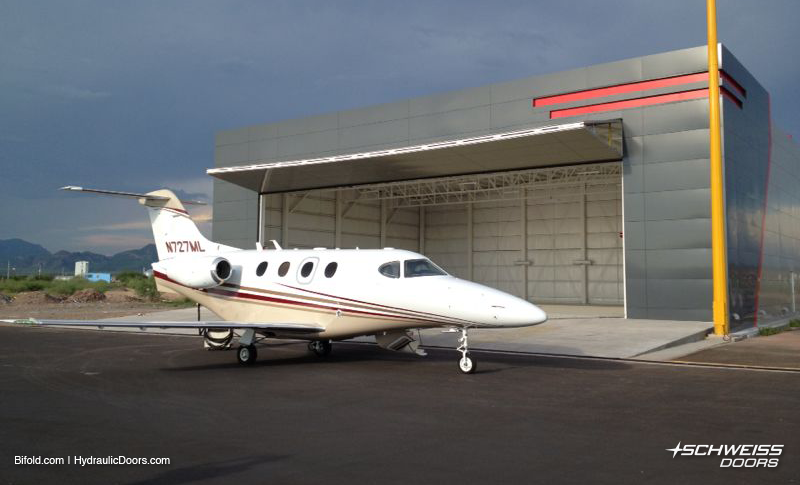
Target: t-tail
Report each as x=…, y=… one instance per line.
x=174, y=231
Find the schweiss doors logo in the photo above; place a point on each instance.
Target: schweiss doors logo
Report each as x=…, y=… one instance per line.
x=734, y=456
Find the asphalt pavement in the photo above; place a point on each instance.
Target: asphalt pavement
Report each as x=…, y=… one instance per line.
x=365, y=415
x=779, y=351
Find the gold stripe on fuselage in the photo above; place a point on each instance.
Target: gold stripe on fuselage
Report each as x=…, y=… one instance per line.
x=374, y=307
x=336, y=327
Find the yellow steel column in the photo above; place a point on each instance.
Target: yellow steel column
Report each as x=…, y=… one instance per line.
x=718, y=238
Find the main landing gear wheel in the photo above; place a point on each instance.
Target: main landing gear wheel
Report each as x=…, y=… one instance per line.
x=465, y=364
x=320, y=347
x=247, y=354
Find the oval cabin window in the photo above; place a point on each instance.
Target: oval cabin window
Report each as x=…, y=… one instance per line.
x=306, y=269
x=283, y=269
x=330, y=270
x=261, y=269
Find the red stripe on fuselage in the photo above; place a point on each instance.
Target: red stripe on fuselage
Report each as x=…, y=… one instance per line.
x=373, y=304
x=237, y=294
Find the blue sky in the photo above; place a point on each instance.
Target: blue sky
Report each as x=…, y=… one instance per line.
x=128, y=95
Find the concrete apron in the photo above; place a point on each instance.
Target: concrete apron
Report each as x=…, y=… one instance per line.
x=572, y=330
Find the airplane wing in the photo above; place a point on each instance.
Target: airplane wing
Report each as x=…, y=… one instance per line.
x=298, y=328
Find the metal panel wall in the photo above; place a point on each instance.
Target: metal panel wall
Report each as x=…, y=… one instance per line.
x=780, y=276
x=605, y=279
x=746, y=154
x=575, y=248
x=496, y=246
x=446, y=241
x=308, y=220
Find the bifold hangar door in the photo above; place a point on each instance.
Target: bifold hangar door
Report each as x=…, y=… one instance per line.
x=549, y=235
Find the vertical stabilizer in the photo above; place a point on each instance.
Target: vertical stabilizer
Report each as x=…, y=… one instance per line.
x=174, y=231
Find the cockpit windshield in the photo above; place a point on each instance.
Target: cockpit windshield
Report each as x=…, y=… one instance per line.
x=422, y=267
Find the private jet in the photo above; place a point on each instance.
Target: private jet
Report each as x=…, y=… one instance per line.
x=319, y=295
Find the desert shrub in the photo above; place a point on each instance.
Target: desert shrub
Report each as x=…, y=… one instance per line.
x=43, y=277
x=766, y=331
x=126, y=276
x=16, y=285
x=50, y=285
x=144, y=287
x=68, y=287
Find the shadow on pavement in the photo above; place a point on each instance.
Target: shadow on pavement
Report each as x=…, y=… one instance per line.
x=212, y=470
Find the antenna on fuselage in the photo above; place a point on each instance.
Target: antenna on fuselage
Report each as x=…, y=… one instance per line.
x=275, y=243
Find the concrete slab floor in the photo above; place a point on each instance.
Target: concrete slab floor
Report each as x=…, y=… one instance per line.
x=600, y=337
x=572, y=330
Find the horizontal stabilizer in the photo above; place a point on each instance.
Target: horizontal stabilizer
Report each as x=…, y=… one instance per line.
x=298, y=328
x=117, y=193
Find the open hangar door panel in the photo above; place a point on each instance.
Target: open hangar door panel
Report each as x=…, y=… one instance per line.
x=548, y=235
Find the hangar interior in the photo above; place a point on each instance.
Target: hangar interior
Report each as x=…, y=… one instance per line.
x=571, y=219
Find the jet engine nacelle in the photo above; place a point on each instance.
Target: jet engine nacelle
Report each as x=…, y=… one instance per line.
x=198, y=272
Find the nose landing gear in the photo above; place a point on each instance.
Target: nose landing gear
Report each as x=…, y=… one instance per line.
x=465, y=363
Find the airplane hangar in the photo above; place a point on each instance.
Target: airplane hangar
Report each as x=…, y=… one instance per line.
x=588, y=186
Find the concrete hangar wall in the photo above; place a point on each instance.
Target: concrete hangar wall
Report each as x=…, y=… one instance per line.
x=585, y=186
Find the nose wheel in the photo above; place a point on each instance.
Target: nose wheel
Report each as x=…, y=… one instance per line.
x=465, y=364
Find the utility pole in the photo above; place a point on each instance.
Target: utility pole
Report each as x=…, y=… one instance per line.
x=8, y=270
x=718, y=245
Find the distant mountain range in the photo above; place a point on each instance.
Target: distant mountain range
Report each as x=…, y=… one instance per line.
x=27, y=257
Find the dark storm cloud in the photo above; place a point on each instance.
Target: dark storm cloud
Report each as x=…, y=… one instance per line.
x=128, y=95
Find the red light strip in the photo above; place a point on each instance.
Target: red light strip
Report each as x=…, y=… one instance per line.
x=638, y=102
x=639, y=86
x=738, y=87
x=620, y=89
x=731, y=96
x=630, y=103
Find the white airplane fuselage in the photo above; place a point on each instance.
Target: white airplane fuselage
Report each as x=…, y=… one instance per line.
x=356, y=298
x=318, y=295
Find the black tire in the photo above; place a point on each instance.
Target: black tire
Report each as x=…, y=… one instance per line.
x=321, y=348
x=247, y=354
x=467, y=364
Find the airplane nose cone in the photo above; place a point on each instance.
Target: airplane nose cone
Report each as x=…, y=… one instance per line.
x=518, y=313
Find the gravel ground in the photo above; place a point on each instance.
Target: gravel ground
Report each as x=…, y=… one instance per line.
x=116, y=304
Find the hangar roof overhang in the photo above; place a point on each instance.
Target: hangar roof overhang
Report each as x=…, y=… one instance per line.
x=548, y=146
